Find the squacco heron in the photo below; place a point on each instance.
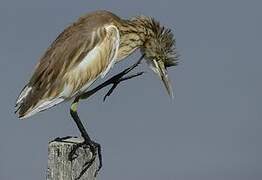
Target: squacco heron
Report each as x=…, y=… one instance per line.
x=86, y=51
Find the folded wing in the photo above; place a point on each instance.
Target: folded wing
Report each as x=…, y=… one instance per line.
x=70, y=65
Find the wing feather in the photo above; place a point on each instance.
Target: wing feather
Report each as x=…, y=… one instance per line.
x=69, y=66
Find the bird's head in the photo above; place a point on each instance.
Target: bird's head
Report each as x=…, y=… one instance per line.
x=160, y=52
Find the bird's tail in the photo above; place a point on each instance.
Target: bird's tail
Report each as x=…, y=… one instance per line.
x=30, y=102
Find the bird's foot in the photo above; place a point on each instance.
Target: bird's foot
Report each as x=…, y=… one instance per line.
x=62, y=139
x=114, y=81
x=119, y=78
x=95, y=149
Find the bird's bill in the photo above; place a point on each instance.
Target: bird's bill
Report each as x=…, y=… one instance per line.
x=159, y=68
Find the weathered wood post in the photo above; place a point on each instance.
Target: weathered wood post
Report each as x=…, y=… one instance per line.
x=61, y=168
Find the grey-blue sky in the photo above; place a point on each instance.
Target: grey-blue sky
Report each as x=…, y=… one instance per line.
x=212, y=130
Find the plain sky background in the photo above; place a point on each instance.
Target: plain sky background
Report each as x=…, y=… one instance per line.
x=211, y=131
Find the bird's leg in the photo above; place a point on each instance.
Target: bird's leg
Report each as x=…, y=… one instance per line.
x=95, y=148
x=115, y=80
x=74, y=114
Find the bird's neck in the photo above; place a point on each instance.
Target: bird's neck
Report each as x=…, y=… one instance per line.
x=133, y=35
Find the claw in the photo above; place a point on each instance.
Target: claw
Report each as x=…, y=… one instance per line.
x=62, y=139
x=118, y=80
x=95, y=149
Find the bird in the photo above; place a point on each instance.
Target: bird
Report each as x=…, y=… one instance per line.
x=85, y=51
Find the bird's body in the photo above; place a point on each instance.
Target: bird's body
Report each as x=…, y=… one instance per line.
x=82, y=53
x=86, y=51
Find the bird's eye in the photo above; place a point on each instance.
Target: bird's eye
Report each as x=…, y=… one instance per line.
x=157, y=59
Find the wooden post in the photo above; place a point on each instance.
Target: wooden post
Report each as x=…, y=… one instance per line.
x=61, y=168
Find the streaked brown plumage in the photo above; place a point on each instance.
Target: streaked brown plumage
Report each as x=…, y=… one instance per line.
x=86, y=50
